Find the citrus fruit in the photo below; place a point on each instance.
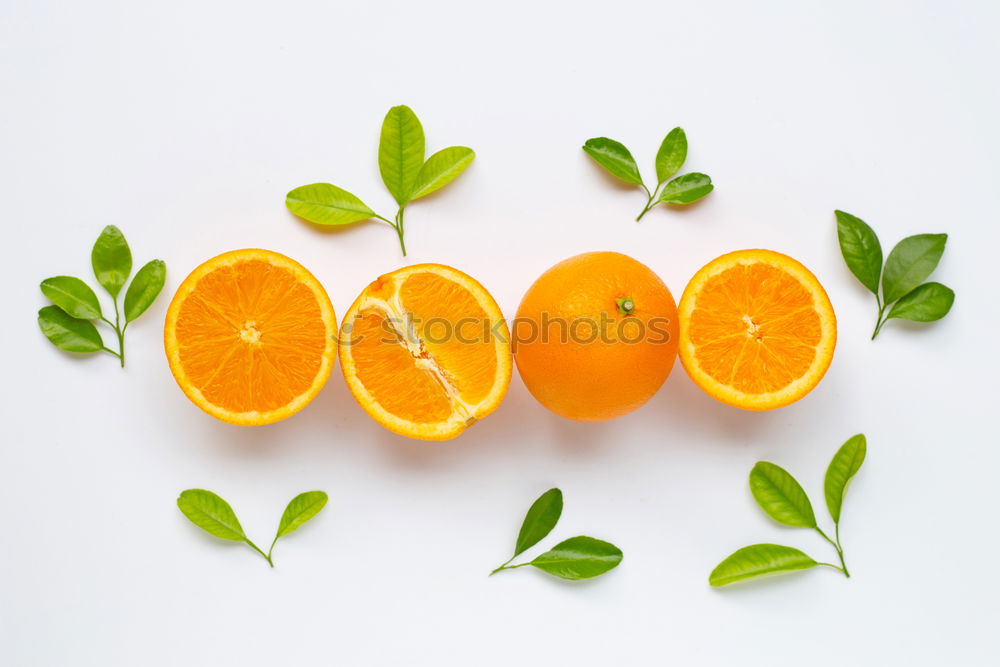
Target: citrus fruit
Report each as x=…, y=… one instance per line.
x=425, y=351
x=757, y=329
x=595, y=336
x=251, y=337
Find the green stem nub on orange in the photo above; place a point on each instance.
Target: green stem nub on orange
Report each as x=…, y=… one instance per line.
x=626, y=306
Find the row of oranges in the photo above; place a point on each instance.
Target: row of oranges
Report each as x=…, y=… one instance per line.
x=251, y=337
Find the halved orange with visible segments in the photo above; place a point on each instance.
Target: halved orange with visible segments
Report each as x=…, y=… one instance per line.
x=251, y=337
x=757, y=330
x=425, y=351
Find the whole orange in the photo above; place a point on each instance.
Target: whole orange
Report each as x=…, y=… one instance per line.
x=595, y=336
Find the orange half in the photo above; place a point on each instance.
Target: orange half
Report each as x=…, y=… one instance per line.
x=251, y=337
x=425, y=351
x=757, y=330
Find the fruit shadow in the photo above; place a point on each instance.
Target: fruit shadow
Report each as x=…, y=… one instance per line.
x=519, y=427
x=579, y=438
x=505, y=432
x=267, y=442
x=327, y=413
x=680, y=400
x=521, y=424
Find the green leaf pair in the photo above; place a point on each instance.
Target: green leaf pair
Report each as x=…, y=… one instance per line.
x=908, y=265
x=684, y=189
x=69, y=323
x=214, y=515
x=405, y=173
x=784, y=500
x=576, y=558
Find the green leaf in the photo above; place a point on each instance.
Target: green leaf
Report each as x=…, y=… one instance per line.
x=326, y=204
x=673, y=151
x=686, y=189
x=401, y=152
x=72, y=295
x=579, y=558
x=781, y=496
x=301, y=508
x=614, y=157
x=758, y=560
x=144, y=289
x=69, y=333
x=846, y=462
x=541, y=518
x=441, y=169
x=910, y=262
x=211, y=513
x=924, y=303
x=861, y=250
x=112, y=260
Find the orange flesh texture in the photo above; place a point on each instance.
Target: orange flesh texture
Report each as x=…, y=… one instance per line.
x=596, y=381
x=251, y=337
x=754, y=328
x=388, y=372
x=439, y=306
x=435, y=348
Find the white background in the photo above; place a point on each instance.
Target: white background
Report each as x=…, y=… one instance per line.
x=186, y=122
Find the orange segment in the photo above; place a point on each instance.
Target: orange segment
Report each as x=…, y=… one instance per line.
x=425, y=351
x=456, y=333
x=757, y=330
x=250, y=337
x=390, y=374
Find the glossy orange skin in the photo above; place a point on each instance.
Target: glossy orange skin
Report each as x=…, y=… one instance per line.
x=609, y=377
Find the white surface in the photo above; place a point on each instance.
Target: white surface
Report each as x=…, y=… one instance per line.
x=186, y=122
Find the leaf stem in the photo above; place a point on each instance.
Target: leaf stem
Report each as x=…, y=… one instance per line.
x=649, y=201
x=835, y=567
x=878, y=320
x=120, y=333
x=836, y=545
x=267, y=557
x=397, y=225
x=505, y=566
x=399, y=230
x=825, y=537
x=840, y=549
x=271, y=549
